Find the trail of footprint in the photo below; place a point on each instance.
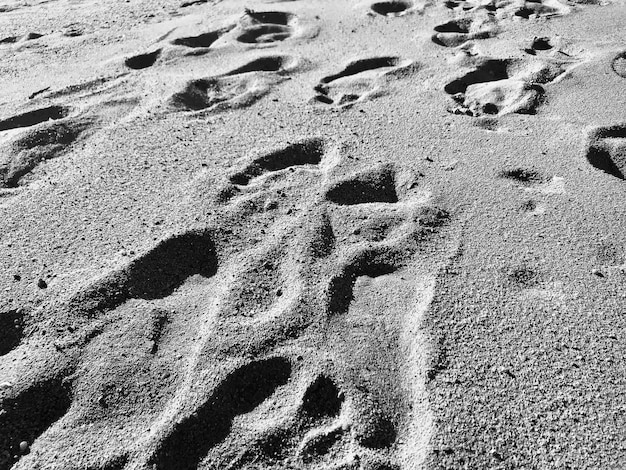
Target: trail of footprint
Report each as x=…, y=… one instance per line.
x=235, y=89
x=606, y=150
x=359, y=80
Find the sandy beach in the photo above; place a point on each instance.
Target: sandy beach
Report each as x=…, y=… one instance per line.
x=312, y=234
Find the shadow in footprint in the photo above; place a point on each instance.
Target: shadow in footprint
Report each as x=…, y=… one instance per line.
x=371, y=263
x=265, y=33
x=34, y=117
x=362, y=65
x=28, y=415
x=306, y=152
x=11, y=330
x=606, y=150
x=374, y=185
x=202, y=40
x=488, y=71
x=240, y=392
x=262, y=64
x=154, y=275
x=321, y=399
x=391, y=8
x=142, y=61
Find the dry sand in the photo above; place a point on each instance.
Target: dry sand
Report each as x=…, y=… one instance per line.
x=312, y=234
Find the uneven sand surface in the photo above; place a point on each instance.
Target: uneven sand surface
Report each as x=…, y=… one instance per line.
x=312, y=234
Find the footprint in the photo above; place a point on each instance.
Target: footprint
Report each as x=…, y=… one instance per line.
x=26, y=416
x=374, y=185
x=391, y=8
x=541, y=9
x=202, y=40
x=11, y=330
x=606, y=150
x=240, y=392
x=359, y=80
x=266, y=27
x=36, y=145
x=618, y=64
x=153, y=275
x=457, y=32
x=238, y=88
x=34, y=117
x=321, y=399
x=371, y=263
x=274, y=63
x=143, y=61
x=539, y=44
x=504, y=86
x=306, y=152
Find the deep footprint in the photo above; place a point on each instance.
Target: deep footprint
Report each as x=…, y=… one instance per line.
x=143, y=61
x=392, y=8
x=606, y=150
x=28, y=415
x=262, y=64
x=240, y=392
x=34, y=117
x=37, y=145
x=371, y=263
x=11, y=330
x=202, y=40
x=306, y=152
x=374, y=185
x=154, y=275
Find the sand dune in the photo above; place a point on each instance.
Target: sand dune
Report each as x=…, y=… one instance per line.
x=310, y=234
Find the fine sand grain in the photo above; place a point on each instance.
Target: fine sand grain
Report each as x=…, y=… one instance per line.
x=312, y=234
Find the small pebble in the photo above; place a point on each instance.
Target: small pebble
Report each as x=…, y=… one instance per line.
x=42, y=284
x=23, y=447
x=597, y=272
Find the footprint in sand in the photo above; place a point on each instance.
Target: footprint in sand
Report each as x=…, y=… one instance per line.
x=50, y=132
x=503, y=86
x=606, y=150
x=235, y=89
x=618, y=64
x=537, y=185
x=392, y=8
x=457, y=32
x=203, y=40
x=360, y=80
x=270, y=27
x=142, y=61
x=326, y=291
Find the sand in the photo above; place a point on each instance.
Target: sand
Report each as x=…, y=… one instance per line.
x=312, y=235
